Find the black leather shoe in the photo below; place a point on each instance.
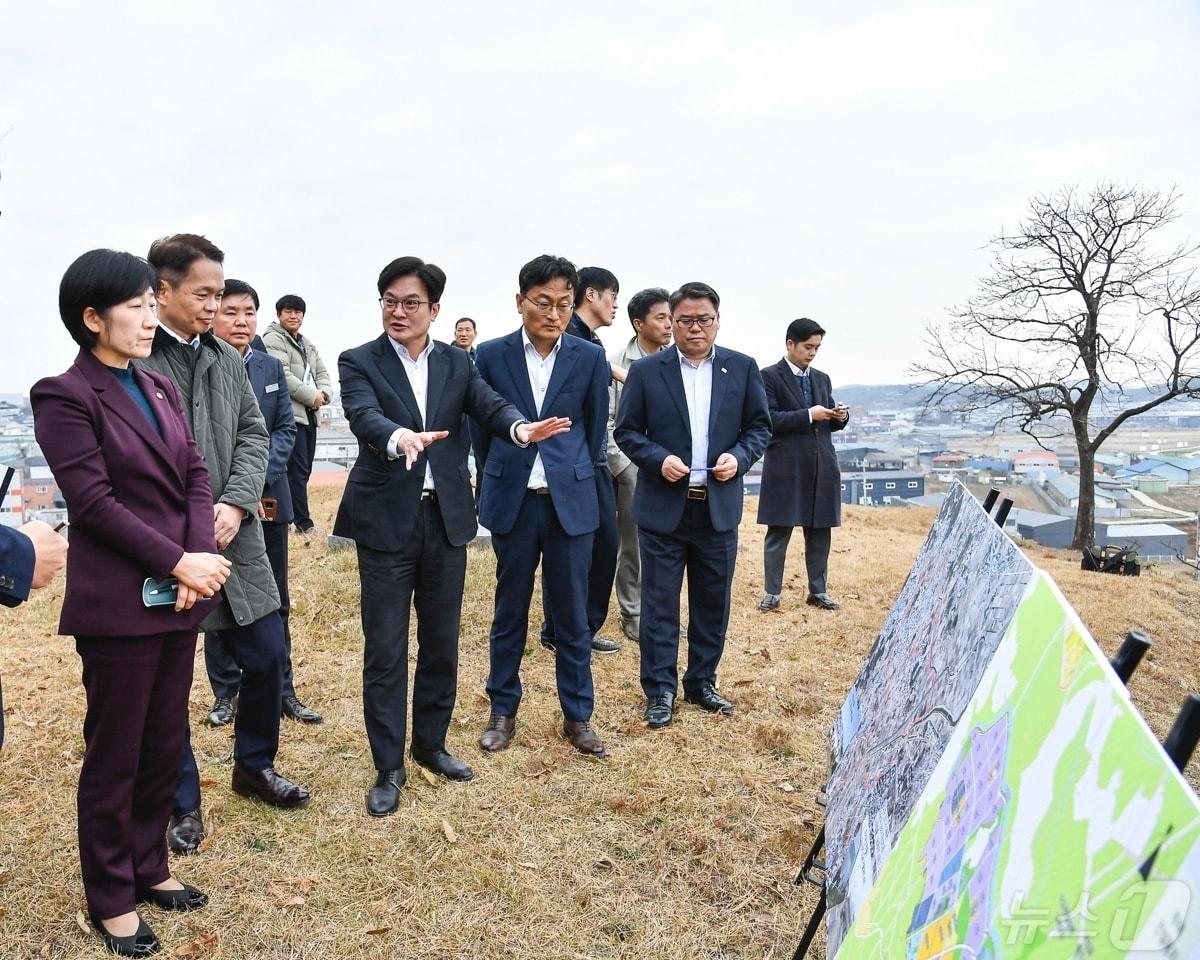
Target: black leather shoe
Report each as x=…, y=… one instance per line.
x=600, y=645
x=546, y=640
x=189, y=898
x=185, y=831
x=659, y=710
x=224, y=709
x=384, y=797
x=143, y=943
x=443, y=763
x=632, y=629
x=293, y=709
x=707, y=698
x=769, y=602
x=822, y=600
x=269, y=787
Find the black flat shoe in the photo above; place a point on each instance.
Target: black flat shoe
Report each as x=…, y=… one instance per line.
x=384, y=797
x=143, y=943
x=443, y=763
x=189, y=898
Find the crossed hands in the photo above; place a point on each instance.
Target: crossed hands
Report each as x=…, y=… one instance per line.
x=726, y=467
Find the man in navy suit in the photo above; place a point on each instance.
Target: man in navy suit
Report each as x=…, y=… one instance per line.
x=30, y=557
x=236, y=323
x=406, y=396
x=541, y=504
x=694, y=419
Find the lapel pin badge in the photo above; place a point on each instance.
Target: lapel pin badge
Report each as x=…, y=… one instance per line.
x=158, y=394
x=723, y=370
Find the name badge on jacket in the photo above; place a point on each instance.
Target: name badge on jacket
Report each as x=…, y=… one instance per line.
x=272, y=387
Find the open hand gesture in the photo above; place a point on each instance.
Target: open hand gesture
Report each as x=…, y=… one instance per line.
x=412, y=443
x=543, y=429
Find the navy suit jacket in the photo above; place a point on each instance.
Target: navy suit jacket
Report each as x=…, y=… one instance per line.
x=17, y=559
x=269, y=384
x=578, y=389
x=653, y=423
x=136, y=501
x=382, y=496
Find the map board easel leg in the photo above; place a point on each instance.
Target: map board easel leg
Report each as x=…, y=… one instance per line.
x=990, y=500
x=810, y=932
x=1130, y=654
x=1181, y=742
x=1002, y=514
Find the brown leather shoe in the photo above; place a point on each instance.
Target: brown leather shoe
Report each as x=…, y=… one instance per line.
x=499, y=733
x=583, y=738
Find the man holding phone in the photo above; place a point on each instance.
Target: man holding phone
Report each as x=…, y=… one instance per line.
x=801, y=482
x=236, y=323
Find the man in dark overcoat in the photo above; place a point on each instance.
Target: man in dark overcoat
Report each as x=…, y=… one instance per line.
x=801, y=483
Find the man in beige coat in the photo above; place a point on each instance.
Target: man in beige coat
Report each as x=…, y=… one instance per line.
x=310, y=388
x=651, y=319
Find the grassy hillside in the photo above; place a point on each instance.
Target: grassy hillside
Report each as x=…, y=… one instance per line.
x=683, y=844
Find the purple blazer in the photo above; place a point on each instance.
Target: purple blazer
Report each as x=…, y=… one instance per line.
x=136, y=501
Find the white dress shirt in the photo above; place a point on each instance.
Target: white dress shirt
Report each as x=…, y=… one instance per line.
x=540, y=370
x=194, y=343
x=802, y=373
x=697, y=388
x=418, y=378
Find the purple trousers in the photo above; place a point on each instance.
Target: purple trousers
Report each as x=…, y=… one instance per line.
x=137, y=700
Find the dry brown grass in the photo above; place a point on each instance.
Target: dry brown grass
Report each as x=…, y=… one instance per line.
x=683, y=844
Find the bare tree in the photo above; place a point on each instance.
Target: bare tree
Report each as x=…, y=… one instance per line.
x=1079, y=305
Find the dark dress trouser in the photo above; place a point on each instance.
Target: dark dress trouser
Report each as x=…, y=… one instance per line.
x=223, y=673
x=603, y=568
x=257, y=649
x=428, y=574
x=816, y=557
x=299, y=469
x=137, y=695
x=708, y=557
x=537, y=535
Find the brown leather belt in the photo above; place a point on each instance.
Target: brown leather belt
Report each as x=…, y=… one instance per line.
x=697, y=493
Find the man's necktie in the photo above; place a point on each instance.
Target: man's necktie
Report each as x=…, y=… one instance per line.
x=806, y=389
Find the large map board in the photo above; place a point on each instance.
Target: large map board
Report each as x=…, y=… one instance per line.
x=938, y=639
x=1053, y=827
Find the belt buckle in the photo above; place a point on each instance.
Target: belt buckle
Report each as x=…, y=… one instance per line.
x=697, y=493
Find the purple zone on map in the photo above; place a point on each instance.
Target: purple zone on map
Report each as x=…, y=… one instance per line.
x=975, y=799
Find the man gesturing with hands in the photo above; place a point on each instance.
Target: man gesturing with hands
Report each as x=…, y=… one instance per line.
x=409, y=507
x=694, y=419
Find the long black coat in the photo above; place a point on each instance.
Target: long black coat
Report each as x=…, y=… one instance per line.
x=801, y=483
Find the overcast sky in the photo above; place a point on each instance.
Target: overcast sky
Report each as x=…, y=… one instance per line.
x=842, y=161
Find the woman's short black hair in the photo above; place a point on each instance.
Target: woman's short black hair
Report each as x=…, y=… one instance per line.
x=800, y=330
x=289, y=301
x=541, y=270
x=234, y=288
x=100, y=279
x=429, y=274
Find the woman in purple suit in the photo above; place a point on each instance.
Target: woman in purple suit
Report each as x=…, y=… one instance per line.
x=140, y=509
